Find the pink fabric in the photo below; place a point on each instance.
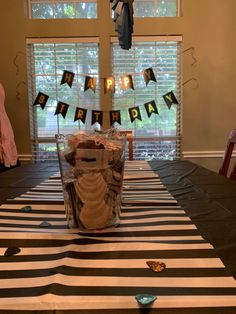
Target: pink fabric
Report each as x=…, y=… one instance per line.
x=8, y=151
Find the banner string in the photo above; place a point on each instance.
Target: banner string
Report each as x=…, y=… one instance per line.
x=192, y=49
x=18, y=93
x=191, y=79
x=15, y=61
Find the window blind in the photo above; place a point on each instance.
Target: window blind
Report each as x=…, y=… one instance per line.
x=47, y=60
x=157, y=137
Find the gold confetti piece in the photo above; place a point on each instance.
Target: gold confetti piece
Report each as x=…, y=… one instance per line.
x=156, y=266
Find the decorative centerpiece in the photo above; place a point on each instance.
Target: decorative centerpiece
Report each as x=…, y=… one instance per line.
x=92, y=166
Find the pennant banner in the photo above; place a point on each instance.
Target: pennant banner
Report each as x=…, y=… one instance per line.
x=109, y=86
x=151, y=107
x=41, y=100
x=90, y=82
x=80, y=114
x=115, y=117
x=61, y=109
x=68, y=78
x=134, y=114
x=170, y=99
x=148, y=75
x=109, y=82
x=97, y=116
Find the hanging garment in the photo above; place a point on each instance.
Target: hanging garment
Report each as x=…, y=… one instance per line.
x=123, y=17
x=8, y=151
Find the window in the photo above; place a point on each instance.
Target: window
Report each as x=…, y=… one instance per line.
x=155, y=137
x=163, y=56
x=66, y=9
x=47, y=59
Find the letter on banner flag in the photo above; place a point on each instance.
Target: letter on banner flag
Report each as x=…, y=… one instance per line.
x=61, y=109
x=90, y=82
x=80, y=114
x=109, y=84
x=151, y=107
x=134, y=113
x=97, y=116
x=127, y=82
x=115, y=117
x=41, y=99
x=170, y=99
x=148, y=75
x=68, y=78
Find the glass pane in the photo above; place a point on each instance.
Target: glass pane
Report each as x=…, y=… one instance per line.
x=47, y=121
x=64, y=10
x=41, y=11
x=59, y=9
x=154, y=150
x=45, y=152
x=145, y=9
x=155, y=8
x=167, y=8
x=86, y=10
x=50, y=61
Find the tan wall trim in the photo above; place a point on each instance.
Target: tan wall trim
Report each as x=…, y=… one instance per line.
x=25, y=158
x=185, y=154
x=204, y=154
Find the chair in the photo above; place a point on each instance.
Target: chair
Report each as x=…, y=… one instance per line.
x=129, y=137
x=227, y=156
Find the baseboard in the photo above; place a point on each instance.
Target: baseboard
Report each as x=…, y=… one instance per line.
x=185, y=154
x=204, y=154
x=25, y=158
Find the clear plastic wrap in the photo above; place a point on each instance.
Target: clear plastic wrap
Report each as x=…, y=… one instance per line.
x=92, y=166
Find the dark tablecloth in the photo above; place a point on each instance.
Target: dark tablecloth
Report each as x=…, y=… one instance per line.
x=210, y=201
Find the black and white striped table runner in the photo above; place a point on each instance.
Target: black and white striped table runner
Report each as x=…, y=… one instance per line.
x=62, y=269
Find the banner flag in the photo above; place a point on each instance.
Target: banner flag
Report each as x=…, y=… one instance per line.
x=127, y=82
x=90, y=82
x=41, y=100
x=115, y=117
x=61, y=109
x=67, y=77
x=151, y=107
x=80, y=114
x=109, y=84
x=134, y=113
x=97, y=116
x=170, y=99
x=148, y=75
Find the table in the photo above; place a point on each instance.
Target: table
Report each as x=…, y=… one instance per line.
x=173, y=211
